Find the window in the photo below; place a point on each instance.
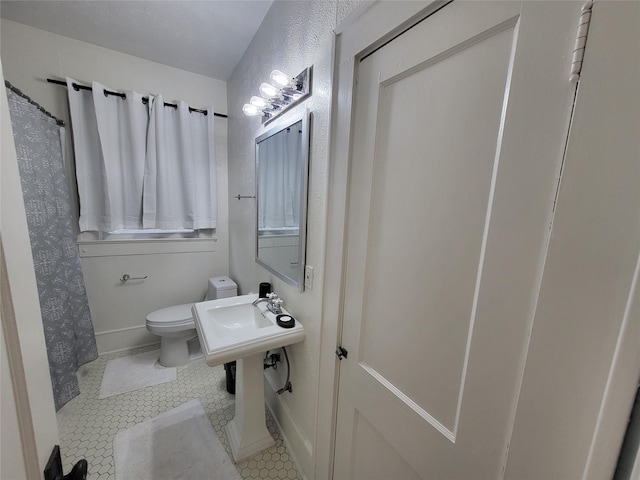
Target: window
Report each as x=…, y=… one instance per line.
x=140, y=166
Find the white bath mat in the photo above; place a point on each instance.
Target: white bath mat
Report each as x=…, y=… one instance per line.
x=133, y=372
x=179, y=444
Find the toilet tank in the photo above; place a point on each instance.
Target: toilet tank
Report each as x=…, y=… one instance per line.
x=221, y=287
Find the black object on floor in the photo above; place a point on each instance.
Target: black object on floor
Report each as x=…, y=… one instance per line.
x=230, y=370
x=78, y=472
x=53, y=469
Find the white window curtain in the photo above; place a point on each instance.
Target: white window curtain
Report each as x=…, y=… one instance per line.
x=279, y=168
x=180, y=174
x=122, y=130
x=142, y=166
x=95, y=211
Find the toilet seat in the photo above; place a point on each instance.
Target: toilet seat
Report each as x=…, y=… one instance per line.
x=172, y=319
x=179, y=342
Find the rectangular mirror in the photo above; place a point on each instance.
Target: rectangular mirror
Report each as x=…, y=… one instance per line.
x=282, y=159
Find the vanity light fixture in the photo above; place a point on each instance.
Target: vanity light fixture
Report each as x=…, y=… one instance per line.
x=278, y=96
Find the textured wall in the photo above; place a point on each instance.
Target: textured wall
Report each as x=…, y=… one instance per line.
x=293, y=36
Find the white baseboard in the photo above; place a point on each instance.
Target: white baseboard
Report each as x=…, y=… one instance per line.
x=124, y=339
x=299, y=448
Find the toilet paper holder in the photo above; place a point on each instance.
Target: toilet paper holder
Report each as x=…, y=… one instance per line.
x=126, y=277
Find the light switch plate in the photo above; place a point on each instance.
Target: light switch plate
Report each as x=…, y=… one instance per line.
x=308, y=276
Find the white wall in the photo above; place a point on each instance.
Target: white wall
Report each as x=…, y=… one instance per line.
x=293, y=36
x=30, y=56
x=178, y=270
x=177, y=273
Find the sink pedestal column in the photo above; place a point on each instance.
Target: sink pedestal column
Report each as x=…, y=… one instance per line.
x=247, y=432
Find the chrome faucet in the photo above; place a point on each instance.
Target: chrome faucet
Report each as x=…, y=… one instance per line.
x=274, y=305
x=259, y=300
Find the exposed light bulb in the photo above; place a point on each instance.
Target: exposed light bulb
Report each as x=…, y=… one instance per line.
x=251, y=110
x=269, y=91
x=279, y=95
x=259, y=102
x=281, y=79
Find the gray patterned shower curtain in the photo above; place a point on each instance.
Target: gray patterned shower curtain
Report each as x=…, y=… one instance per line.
x=68, y=329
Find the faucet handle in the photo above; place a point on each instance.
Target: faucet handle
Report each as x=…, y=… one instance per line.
x=275, y=303
x=276, y=306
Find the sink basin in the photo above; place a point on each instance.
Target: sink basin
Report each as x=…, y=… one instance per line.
x=232, y=328
x=237, y=319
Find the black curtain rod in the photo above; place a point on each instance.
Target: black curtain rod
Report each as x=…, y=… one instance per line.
x=145, y=100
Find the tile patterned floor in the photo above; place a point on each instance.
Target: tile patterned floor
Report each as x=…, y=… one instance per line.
x=88, y=425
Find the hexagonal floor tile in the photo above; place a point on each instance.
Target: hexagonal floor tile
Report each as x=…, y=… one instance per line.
x=88, y=425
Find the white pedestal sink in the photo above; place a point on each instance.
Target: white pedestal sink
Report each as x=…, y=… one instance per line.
x=233, y=329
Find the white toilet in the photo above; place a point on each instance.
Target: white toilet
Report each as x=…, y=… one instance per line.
x=179, y=342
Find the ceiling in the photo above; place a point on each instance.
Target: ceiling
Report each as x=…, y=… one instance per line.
x=207, y=37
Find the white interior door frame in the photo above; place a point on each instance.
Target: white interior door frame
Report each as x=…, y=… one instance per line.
x=23, y=332
x=624, y=372
x=599, y=367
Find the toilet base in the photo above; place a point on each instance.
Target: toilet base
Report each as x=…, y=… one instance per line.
x=175, y=352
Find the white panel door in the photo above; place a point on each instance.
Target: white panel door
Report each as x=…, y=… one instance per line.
x=459, y=130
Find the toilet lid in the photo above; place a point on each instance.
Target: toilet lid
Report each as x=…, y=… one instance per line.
x=223, y=283
x=176, y=315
